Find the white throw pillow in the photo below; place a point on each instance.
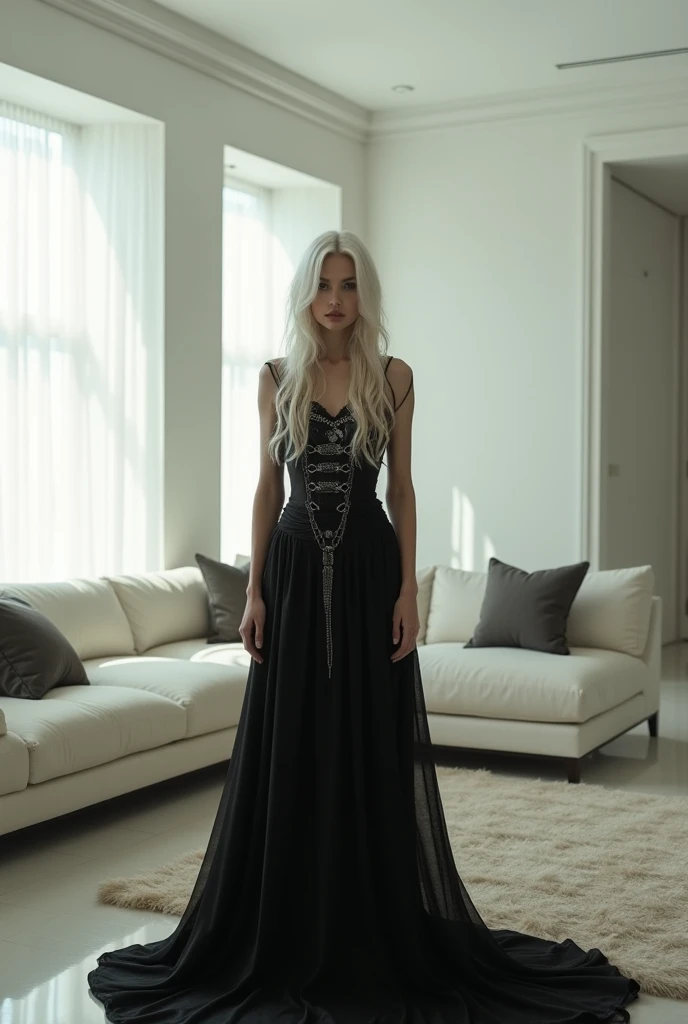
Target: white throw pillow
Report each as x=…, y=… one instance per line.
x=424, y=579
x=163, y=607
x=86, y=612
x=455, y=603
x=612, y=610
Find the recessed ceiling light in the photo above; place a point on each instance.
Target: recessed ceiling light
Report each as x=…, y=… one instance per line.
x=403, y=88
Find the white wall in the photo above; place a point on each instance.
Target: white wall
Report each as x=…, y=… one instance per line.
x=640, y=395
x=201, y=115
x=298, y=216
x=683, y=506
x=477, y=232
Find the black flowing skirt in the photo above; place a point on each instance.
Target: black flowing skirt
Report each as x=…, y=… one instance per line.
x=328, y=891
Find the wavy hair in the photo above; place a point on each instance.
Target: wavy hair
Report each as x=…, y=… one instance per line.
x=369, y=401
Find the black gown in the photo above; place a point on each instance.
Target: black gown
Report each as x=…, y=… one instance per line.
x=328, y=892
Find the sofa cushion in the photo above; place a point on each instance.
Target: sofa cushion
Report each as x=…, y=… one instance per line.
x=513, y=683
x=455, y=603
x=226, y=588
x=163, y=606
x=77, y=727
x=211, y=694
x=86, y=612
x=612, y=610
x=198, y=650
x=14, y=764
x=34, y=655
x=424, y=579
x=528, y=609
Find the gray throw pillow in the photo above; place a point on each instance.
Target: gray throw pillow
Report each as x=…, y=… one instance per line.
x=530, y=610
x=34, y=655
x=226, y=586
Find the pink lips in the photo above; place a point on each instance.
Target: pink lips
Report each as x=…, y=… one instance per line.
x=335, y=316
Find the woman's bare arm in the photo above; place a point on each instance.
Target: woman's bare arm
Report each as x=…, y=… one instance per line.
x=269, y=496
x=400, y=494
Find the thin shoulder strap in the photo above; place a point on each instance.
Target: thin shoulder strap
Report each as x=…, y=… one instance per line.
x=273, y=371
x=408, y=390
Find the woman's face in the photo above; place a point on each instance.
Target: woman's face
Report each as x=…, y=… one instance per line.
x=335, y=307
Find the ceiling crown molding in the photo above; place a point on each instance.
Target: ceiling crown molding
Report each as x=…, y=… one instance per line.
x=572, y=101
x=170, y=35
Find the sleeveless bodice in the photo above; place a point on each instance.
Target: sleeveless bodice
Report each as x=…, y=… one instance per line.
x=324, y=478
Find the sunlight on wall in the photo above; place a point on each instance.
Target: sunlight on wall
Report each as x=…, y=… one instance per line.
x=463, y=536
x=488, y=551
x=462, y=531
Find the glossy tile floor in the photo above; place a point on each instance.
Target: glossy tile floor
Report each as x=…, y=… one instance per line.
x=52, y=929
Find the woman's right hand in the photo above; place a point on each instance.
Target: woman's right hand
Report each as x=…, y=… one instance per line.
x=251, y=628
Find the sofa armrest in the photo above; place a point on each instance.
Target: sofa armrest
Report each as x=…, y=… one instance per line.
x=3, y=724
x=652, y=656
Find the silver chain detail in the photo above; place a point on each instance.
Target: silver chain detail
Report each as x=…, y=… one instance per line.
x=328, y=540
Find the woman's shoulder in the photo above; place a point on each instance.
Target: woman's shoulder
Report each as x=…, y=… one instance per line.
x=397, y=371
x=273, y=367
x=400, y=377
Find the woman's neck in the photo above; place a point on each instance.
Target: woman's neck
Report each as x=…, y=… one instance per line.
x=336, y=348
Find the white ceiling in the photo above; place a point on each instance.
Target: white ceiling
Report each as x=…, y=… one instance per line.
x=450, y=50
x=665, y=180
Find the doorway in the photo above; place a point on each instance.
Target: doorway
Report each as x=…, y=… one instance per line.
x=635, y=501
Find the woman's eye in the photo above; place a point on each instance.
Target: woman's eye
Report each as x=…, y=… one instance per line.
x=351, y=285
x=322, y=286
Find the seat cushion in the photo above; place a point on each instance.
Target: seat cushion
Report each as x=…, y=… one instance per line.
x=77, y=727
x=200, y=650
x=163, y=606
x=14, y=764
x=211, y=694
x=511, y=683
x=86, y=612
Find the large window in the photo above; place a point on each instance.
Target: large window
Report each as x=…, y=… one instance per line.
x=247, y=341
x=80, y=348
x=266, y=228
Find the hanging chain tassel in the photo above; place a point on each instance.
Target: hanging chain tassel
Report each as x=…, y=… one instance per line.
x=328, y=576
x=328, y=540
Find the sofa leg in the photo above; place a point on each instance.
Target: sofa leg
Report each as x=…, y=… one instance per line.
x=573, y=768
x=653, y=722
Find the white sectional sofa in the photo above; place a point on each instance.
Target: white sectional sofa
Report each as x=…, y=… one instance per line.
x=163, y=702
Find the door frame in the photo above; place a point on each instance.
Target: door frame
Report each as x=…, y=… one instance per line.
x=599, y=151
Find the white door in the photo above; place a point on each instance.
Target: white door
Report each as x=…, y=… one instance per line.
x=640, y=396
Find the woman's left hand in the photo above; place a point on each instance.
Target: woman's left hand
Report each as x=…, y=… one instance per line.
x=405, y=625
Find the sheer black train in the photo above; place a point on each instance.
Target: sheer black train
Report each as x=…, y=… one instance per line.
x=328, y=891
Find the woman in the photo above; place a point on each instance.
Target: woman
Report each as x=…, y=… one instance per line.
x=328, y=891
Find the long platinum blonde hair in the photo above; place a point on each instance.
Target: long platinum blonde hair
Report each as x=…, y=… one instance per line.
x=369, y=400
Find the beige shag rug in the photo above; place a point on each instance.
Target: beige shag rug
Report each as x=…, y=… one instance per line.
x=606, y=868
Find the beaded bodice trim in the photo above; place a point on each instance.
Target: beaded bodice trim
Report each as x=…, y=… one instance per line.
x=329, y=539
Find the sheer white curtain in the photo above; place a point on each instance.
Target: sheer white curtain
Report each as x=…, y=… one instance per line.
x=247, y=341
x=81, y=347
